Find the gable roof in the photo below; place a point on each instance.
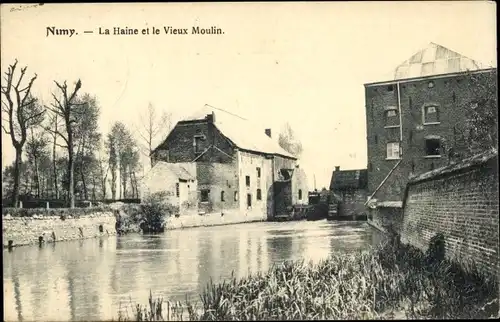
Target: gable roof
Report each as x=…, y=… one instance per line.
x=349, y=179
x=161, y=168
x=242, y=132
x=434, y=60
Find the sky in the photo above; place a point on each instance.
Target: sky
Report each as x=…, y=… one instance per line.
x=301, y=63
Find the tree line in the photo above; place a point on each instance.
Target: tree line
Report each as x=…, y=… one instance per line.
x=60, y=152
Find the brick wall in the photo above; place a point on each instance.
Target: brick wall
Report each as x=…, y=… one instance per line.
x=179, y=144
x=461, y=202
x=450, y=95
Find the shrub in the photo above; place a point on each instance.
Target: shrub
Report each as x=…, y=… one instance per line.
x=154, y=211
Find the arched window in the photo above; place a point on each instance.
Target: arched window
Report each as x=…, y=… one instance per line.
x=222, y=196
x=300, y=194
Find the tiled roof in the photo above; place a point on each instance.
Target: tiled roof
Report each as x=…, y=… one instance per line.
x=242, y=132
x=434, y=60
x=349, y=179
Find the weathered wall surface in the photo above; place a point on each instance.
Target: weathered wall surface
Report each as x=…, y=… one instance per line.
x=218, y=179
x=352, y=202
x=386, y=218
x=215, y=219
x=248, y=165
x=461, y=202
x=300, y=187
x=27, y=230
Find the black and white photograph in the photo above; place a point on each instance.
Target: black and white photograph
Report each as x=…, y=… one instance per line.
x=233, y=161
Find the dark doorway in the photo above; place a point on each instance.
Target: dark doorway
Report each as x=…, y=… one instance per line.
x=282, y=197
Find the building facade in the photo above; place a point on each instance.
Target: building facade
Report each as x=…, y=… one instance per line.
x=350, y=187
x=238, y=166
x=418, y=123
x=176, y=182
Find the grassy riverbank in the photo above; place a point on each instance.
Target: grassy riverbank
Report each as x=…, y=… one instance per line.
x=384, y=283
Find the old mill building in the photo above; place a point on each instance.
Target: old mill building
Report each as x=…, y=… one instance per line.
x=218, y=162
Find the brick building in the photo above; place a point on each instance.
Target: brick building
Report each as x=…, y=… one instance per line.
x=239, y=167
x=351, y=188
x=416, y=122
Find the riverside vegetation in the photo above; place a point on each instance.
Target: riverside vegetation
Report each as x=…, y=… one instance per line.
x=149, y=216
x=391, y=281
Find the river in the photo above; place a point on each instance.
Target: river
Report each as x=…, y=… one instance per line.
x=91, y=279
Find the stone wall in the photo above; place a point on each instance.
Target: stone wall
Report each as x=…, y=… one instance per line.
x=352, y=203
x=27, y=230
x=215, y=219
x=461, y=202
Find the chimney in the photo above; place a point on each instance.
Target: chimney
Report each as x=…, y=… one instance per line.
x=268, y=133
x=211, y=118
x=337, y=168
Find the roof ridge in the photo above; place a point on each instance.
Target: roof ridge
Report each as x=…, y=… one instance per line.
x=223, y=110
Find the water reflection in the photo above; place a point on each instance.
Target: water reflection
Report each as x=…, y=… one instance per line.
x=88, y=280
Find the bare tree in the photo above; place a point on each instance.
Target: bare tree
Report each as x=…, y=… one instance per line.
x=289, y=142
x=23, y=112
x=54, y=125
x=65, y=109
x=154, y=126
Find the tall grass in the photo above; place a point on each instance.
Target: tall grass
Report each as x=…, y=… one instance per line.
x=391, y=281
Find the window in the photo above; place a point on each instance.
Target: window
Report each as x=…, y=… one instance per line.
x=259, y=194
x=249, y=200
x=247, y=180
x=222, y=196
x=391, y=116
x=236, y=196
x=390, y=88
x=393, y=150
x=258, y=172
x=197, y=144
x=300, y=194
x=204, y=195
x=430, y=114
x=177, y=190
x=432, y=147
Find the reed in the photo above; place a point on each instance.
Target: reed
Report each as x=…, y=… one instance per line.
x=382, y=283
